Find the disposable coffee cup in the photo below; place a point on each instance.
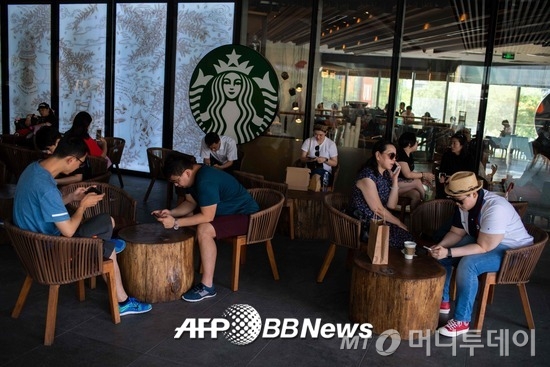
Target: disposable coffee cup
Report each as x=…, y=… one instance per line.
x=410, y=249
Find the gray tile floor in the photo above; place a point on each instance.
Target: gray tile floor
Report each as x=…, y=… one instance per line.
x=85, y=335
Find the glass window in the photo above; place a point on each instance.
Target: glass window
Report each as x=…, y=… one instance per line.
x=29, y=58
x=201, y=28
x=139, y=80
x=82, y=50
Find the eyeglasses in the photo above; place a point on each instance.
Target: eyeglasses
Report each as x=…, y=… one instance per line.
x=392, y=155
x=82, y=163
x=458, y=201
x=316, y=150
x=174, y=181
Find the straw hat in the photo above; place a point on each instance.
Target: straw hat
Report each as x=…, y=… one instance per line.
x=463, y=183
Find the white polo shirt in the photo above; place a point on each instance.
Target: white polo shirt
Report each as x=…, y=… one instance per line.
x=226, y=152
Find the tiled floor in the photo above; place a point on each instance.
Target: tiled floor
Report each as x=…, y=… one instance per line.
x=85, y=335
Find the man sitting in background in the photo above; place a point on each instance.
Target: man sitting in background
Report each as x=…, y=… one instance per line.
x=219, y=151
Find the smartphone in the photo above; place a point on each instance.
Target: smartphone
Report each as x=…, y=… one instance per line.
x=157, y=215
x=442, y=175
x=93, y=189
x=394, y=168
x=98, y=134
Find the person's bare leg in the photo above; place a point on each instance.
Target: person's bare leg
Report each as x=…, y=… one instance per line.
x=121, y=294
x=207, y=246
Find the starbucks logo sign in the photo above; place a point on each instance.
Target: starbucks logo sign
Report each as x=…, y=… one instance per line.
x=234, y=92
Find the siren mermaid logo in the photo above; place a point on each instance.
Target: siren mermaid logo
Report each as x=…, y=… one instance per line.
x=234, y=92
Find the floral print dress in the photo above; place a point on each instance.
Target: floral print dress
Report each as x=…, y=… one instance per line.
x=383, y=183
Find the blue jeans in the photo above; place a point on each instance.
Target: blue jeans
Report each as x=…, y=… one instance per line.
x=468, y=268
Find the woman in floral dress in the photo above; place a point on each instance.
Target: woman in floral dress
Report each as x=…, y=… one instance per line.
x=376, y=190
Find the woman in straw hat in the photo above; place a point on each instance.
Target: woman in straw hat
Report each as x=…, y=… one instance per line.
x=484, y=226
x=376, y=189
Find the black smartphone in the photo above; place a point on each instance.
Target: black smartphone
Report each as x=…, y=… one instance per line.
x=442, y=175
x=93, y=189
x=157, y=215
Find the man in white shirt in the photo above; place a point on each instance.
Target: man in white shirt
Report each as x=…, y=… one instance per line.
x=219, y=151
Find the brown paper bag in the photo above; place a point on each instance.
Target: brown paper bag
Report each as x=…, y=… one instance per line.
x=379, y=241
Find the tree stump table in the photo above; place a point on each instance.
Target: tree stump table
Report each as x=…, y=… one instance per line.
x=403, y=295
x=157, y=264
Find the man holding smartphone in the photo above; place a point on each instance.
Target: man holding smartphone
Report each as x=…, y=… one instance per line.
x=40, y=207
x=216, y=203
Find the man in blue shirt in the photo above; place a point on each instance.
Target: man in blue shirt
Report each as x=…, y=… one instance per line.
x=40, y=207
x=216, y=203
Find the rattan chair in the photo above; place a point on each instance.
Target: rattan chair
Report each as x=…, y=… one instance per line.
x=261, y=228
x=247, y=179
x=115, y=147
x=516, y=268
x=430, y=216
x=117, y=203
x=17, y=158
x=252, y=181
x=156, y=158
x=57, y=260
x=343, y=230
x=521, y=207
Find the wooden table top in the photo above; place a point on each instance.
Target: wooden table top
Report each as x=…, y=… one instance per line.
x=421, y=266
x=153, y=234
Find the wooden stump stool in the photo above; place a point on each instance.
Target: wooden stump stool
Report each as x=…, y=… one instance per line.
x=157, y=264
x=404, y=295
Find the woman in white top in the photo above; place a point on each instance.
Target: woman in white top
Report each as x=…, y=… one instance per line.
x=319, y=152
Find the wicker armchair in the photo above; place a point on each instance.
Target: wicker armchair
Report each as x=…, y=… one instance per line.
x=57, y=260
x=430, y=216
x=17, y=158
x=253, y=181
x=521, y=207
x=343, y=230
x=117, y=203
x=115, y=147
x=516, y=268
x=247, y=179
x=156, y=158
x=261, y=228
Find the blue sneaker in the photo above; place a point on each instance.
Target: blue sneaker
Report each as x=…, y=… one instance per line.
x=198, y=293
x=133, y=306
x=120, y=245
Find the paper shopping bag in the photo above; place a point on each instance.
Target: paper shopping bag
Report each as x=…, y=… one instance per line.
x=379, y=242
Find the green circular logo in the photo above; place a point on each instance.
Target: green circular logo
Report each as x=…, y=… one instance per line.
x=234, y=91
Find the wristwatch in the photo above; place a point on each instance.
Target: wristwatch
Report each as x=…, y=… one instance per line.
x=176, y=226
x=449, y=253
